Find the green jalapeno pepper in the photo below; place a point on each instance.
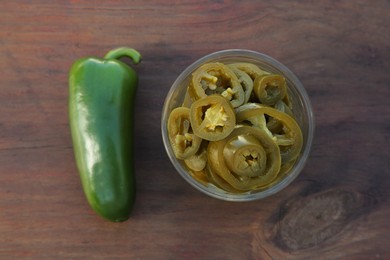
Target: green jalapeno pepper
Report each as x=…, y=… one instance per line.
x=220, y=182
x=101, y=99
x=212, y=117
x=216, y=78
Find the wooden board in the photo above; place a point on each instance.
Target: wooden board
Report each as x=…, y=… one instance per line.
x=336, y=209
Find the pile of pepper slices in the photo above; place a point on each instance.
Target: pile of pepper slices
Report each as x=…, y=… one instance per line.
x=235, y=129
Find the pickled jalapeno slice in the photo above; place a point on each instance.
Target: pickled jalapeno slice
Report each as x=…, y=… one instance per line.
x=216, y=78
x=251, y=69
x=198, y=161
x=245, y=81
x=270, y=89
x=183, y=141
x=289, y=139
x=253, y=158
x=212, y=118
x=273, y=124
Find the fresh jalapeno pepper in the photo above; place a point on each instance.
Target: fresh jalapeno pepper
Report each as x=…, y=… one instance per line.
x=212, y=118
x=270, y=89
x=183, y=141
x=216, y=78
x=101, y=99
x=247, y=159
x=290, y=140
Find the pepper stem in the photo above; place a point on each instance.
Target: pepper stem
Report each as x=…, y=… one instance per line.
x=124, y=52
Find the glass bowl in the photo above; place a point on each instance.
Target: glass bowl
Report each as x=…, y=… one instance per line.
x=301, y=108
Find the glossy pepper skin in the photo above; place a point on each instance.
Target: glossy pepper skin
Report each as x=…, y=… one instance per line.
x=101, y=99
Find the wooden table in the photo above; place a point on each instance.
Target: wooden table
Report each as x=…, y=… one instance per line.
x=336, y=209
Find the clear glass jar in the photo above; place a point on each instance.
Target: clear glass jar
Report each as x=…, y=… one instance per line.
x=301, y=108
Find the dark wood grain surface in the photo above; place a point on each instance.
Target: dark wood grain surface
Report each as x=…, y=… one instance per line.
x=338, y=208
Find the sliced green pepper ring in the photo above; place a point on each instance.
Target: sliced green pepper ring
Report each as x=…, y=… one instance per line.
x=198, y=161
x=212, y=118
x=216, y=78
x=245, y=81
x=187, y=100
x=245, y=156
x=200, y=176
x=251, y=69
x=242, y=176
x=270, y=89
x=290, y=139
x=282, y=106
x=286, y=168
x=274, y=125
x=183, y=141
x=219, y=182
